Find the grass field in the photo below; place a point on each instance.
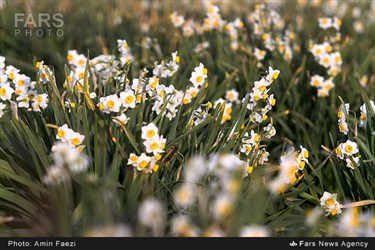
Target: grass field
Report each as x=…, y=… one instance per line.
x=187, y=118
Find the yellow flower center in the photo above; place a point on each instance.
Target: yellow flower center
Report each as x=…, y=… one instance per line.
x=330, y=202
x=205, y=71
x=177, y=59
x=154, y=146
x=256, y=138
x=3, y=91
x=262, y=88
x=273, y=102
x=155, y=83
x=61, y=133
x=21, y=82
x=341, y=127
x=199, y=78
x=39, y=98
x=275, y=75
x=11, y=75
x=155, y=167
x=151, y=133
x=194, y=93
x=257, y=97
x=129, y=99
x=337, y=151
x=302, y=164
x=334, y=212
x=81, y=62
x=133, y=158
x=186, y=100
x=81, y=75
x=340, y=114
x=250, y=169
x=43, y=76
x=75, y=141
x=110, y=104
x=158, y=157
x=139, y=97
x=362, y=117
x=326, y=60
x=101, y=106
x=306, y=154
x=70, y=57
x=348, y=148
x=143, y=164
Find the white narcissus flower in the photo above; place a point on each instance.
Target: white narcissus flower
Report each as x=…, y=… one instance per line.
x=317, y=81
x=329, y=202
x=273, y=74
x=155, y=145
x=350, y=148
x=177, y=20
x=123, y=119
x=75, y=138
x=363, y=116
x=259, y=54
x=325, y=23
x=128, y=99
x=262, y=84
x=142, y=162
x=352, y=162
x=198, y=76
x=40, y=102
x=113, y=103
x=122, y=46
x=185, y=195
x=150, y=213
x=63, y=133
x=150, y=131
x=232, y=95
x=6, y=91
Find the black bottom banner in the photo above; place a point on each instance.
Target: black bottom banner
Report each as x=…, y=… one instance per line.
x=186, y=243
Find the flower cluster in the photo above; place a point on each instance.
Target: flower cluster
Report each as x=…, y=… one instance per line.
x=330, y=204
x=154, y=144
x=291, y=163
x=342, y=114
x=353, y=223
x=349, y=152
x=68, y=136
x=267, y=26
x=225, y=174
x=18, y=88
x=260, y=101
x=67, y=160
x=328, y=56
